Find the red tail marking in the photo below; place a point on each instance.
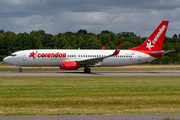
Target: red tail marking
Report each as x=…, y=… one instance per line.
x=155, y=40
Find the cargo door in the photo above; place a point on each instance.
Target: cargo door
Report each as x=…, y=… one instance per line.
x=139, y=57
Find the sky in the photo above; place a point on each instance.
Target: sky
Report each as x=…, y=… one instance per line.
x=60, y=16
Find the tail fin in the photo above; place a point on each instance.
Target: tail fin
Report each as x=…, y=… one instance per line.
x=155, y=40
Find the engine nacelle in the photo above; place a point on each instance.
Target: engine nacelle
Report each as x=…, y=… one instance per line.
x=69, y=65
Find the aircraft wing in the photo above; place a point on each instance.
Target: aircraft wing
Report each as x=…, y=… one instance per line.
x=162, y=52
x=97, y=60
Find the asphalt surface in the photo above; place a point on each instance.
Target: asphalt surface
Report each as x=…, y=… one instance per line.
x=98, y=117
x=92, y=74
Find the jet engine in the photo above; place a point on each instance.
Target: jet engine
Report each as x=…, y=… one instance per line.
x=69, y=65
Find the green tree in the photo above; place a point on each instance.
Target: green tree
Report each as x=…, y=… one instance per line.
x=2, y=47
x=82, y=31
x=9, y=41
x=175, y=36
x=105, y=32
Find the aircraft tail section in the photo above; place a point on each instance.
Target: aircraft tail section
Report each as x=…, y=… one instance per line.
x=155, y=41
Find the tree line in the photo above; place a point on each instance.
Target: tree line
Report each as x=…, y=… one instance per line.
x=12, y=42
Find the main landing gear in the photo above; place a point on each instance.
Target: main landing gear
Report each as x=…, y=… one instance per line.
x=87, y=70
x=20, y=70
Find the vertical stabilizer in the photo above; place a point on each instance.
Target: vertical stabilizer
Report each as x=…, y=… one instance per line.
x=155, y=40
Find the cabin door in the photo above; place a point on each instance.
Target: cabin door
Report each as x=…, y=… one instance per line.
x=24, y=56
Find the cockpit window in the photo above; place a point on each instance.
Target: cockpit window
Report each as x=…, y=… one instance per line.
x=13, y=55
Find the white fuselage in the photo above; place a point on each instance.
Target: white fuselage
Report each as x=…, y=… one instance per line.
x=56, y=57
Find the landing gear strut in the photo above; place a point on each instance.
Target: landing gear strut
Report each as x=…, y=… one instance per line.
x=87, y=70
x=20, y=70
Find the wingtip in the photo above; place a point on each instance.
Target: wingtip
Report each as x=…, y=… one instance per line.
x=117, y=50
x=103, y=47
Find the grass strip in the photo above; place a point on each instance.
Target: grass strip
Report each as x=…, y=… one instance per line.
x=21, y=96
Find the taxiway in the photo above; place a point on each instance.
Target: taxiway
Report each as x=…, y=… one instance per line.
x=92, y=74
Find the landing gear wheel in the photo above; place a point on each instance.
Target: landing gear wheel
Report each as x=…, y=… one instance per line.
x=87, y=70
x=20, y=70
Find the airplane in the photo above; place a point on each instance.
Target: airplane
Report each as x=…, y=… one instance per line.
x=73, y=59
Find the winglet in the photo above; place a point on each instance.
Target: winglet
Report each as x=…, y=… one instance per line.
x=117, y=50
x=103, y=47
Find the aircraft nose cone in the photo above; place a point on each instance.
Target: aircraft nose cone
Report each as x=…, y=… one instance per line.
x=5, y=59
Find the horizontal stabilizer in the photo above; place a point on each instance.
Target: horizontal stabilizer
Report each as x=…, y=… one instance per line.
x=162, y=52
x=169, y=51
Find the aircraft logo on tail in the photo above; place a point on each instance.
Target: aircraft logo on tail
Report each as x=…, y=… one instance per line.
x=149, y=45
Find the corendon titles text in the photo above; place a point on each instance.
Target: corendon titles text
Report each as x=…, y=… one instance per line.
x=47, y=55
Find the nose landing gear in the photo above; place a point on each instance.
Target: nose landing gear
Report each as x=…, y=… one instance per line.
x=87, y=70
x=20, y=70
